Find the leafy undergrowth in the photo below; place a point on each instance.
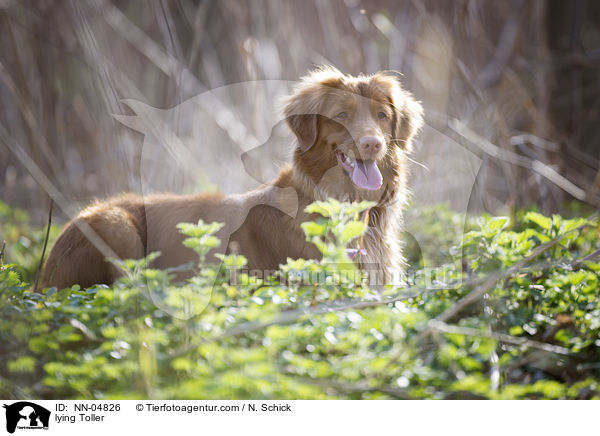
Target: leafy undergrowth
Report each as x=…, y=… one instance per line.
x=516, y=315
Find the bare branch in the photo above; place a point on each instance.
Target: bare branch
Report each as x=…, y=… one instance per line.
x=511, y=157
x=501, y=337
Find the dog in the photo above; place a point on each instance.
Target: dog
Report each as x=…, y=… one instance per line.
x=353, y=135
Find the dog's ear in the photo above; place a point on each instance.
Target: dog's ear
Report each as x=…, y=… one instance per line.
x=302, y=113
x=408, y=112
x=303, y=108
x=410, y=120
x=306, y=129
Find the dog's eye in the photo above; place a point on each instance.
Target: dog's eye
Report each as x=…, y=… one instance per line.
x=342, y=116
x=381, y=115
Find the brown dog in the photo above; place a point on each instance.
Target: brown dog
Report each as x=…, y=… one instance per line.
x=353, y=134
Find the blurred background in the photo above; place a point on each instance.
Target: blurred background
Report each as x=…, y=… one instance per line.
x=511, y=92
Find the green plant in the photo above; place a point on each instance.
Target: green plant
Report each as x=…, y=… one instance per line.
x=314, y=329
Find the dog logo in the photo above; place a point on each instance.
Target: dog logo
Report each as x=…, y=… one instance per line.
x=26, y=415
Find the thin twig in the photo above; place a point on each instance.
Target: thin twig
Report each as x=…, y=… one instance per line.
x=528, y=138
x=591, y=255
x=502, y=337
x=2, y=254
x=38, y=272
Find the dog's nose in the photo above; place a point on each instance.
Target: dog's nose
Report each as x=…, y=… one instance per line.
x=370, y=144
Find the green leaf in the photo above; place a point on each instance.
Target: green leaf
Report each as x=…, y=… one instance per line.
x=539, y=219
x=516, y=330
x=496, y=224
x=233, y=260
x=324, y=208
x=359, y=207
x=312, y=228
x=352, y=230
x=22, y=364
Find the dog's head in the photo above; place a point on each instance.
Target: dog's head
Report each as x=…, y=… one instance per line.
x=352, y=131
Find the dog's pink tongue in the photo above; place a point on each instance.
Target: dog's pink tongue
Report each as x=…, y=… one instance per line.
x=366, y=175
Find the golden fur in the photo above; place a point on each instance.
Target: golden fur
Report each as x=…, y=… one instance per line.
x=329, y=112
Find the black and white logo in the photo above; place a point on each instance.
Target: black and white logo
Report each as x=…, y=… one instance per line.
x=26, y=415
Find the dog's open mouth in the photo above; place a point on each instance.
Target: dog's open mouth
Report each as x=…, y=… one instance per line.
x=364, y=173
